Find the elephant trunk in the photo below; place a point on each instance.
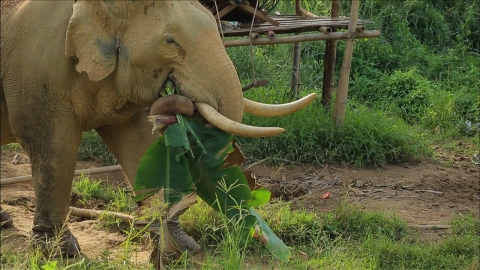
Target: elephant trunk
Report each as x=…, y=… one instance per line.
x=224, y=84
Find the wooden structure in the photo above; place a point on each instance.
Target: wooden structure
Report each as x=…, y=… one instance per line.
x=258, y=28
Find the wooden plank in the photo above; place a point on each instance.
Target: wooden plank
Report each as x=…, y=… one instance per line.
x=298, y=38
x=293, y=25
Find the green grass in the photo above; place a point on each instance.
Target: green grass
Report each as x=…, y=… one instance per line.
x=92, y=148
x=117, y=199
x=368, y=138
x=345, y=238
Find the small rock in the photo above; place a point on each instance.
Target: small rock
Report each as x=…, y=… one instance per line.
x=16, y=159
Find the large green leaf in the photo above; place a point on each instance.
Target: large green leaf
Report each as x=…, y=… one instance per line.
x=270, y=240
x=224, y=189
x=164, y=167
x=192, y=154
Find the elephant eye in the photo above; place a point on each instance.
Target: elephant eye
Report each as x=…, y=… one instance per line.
x=170, y=40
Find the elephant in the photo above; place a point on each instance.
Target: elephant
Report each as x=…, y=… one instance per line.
x=77, y=65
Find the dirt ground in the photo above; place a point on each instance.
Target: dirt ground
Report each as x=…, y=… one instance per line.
x=421, y=194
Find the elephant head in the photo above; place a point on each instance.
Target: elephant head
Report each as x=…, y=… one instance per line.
x=140, y=45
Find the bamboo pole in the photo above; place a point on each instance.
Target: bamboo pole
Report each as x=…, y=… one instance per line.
x=296, y=57
x=342, y=91
x=299, y=38
x=329, y=61
x=295, y=79
x=28, y=178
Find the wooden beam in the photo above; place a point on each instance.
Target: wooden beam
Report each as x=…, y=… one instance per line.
x=225, y=11
x=258, y=14
x=342, y=91
x=299, y=38
x=329, y=61
x=28, y=178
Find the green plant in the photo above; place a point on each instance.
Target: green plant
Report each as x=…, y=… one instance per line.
x=88, y=189
x=92, y=148
x=205, y=158
x=11, y=146
x=368, y=137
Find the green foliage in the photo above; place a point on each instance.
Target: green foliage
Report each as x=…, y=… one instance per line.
x=88, y=189
x=345, y=238
x=118, y=199
x=368, y=138
x=11, y=146
x=465, y=225
x=428, y=50
x=93, y=148
x=197, y=155
x=406, y=93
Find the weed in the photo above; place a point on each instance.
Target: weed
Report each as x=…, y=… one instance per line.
x=88, y=189
x=11, y=146
x=93, y=148
x=117, y=199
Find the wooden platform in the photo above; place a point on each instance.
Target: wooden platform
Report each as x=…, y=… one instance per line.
x=293, y=24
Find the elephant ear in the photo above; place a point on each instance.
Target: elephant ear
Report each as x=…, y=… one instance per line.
x=92, y=37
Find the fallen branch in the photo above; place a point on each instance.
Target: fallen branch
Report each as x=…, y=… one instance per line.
x=93, y=214
x=430, y=191
x=28, y=178
x=432, y=227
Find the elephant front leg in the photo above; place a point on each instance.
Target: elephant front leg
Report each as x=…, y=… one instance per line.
x=52, y=147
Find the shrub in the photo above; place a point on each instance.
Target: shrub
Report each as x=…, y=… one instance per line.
x=368, y=138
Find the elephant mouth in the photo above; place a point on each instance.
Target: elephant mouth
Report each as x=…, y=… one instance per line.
x=163, y=111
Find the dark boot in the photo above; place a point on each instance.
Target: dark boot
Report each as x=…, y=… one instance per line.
x=175, y=241
x=5, y=219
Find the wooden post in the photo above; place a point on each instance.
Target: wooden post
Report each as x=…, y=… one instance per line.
x=329, y=61
x=342, y=91
x=296, y=56
x=295, y=80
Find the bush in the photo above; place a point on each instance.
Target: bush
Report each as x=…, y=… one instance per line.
x=368, y=138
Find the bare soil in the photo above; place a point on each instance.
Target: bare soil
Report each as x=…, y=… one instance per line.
x=421, y=194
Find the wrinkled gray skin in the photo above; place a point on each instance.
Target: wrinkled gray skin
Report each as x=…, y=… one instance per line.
x=69, y=67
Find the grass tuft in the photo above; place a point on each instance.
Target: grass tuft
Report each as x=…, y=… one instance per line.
x=368, y=137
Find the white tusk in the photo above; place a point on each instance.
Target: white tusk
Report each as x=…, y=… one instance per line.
x=262, y=109
x=232, y=127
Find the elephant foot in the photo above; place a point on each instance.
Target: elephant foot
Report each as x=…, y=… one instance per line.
x=5, y=219
x=54, y=243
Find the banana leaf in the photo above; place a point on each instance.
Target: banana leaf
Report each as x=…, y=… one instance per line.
x=192, y=157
